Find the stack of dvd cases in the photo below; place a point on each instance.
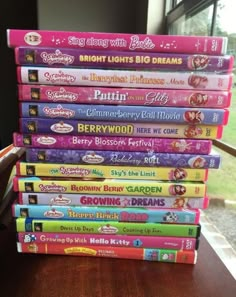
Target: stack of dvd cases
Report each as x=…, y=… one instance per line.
x=118, y=132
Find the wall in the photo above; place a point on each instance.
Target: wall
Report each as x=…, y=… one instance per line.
x=91, y=15
x=11, y=18
x=155, y=17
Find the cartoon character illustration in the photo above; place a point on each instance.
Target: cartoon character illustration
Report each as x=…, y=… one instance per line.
x=180, y=145
x=41, y=155
x=27, y=140
x=197, y=162
x=35, y=93
x=177, y=190
x=180, y=202
x=38, y=227
x=33, y=110
x=151, y=255
x=194, y=116
x=33, y=199
x=167, y=257
x=192, y=131
x=33, y=75
x=198, y=81
x=177, y=174
x=29, y=238
x=170, y=217
x=33, y=248
x=198, y=62
x=33, y=38
x=30, y=170
x=198, y=99
x=24, y=212
x=29, y=56
x=29, y=187
x=31, y=126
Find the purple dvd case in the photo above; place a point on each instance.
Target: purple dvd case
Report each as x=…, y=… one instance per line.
x=99, y=128
x=126, y=113
x=62, y=57
x=79, y=157
x=112, y=143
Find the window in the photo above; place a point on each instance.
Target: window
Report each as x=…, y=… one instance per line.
x=198, y=23
x=213, y=17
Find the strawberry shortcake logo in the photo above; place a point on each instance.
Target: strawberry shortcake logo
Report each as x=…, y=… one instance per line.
x=59, y=78
x=53, y=214
x=57, y=58
x=107, y=229
x=61, y=127
x=92, y=158
x=52, y=188
x=58, y=111
x=60, y=200
x=46, y=140
x=74, y=171
x=61, y=94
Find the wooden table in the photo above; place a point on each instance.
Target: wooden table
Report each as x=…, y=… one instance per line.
x=29, y=275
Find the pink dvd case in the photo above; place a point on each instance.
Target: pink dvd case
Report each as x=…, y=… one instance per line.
x=117, y=41
x=123, y=96
x=116, y=143
x=175, y=243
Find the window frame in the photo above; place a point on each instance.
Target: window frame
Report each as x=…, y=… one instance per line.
x=190, y=8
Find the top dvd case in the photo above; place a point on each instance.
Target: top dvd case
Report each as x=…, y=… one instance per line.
x=117, y=41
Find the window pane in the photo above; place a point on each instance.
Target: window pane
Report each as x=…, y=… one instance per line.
x=226, y=26
x=194, y=24
x=221, y=182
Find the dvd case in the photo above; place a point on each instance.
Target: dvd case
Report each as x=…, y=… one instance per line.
x=118, y=41
x=168, y=242
x=112, y=200
x=114, y=143
x=107, y=228
x=177, y=115
x=109, y=186
x=124, y=78
x=150, y=159
x=119, y=172
x=76, y=127
x=124, y=96
x=62, y=57
x=111, y=214
x=159, y=255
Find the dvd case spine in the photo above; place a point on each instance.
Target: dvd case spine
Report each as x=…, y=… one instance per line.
x=114, y=143
x=109, y=186
x=74, y=127
x=191, y=116
x=111, y=200
x=159, y=255
x=124, y=78
x=119, y=172
x=117, y=41
x=128, y=241
x=62, y=57
x=107, y=228
x=111, y=214
x=149, y=159
x=124, y=96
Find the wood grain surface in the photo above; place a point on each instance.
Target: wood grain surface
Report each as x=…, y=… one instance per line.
x=27, y=275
